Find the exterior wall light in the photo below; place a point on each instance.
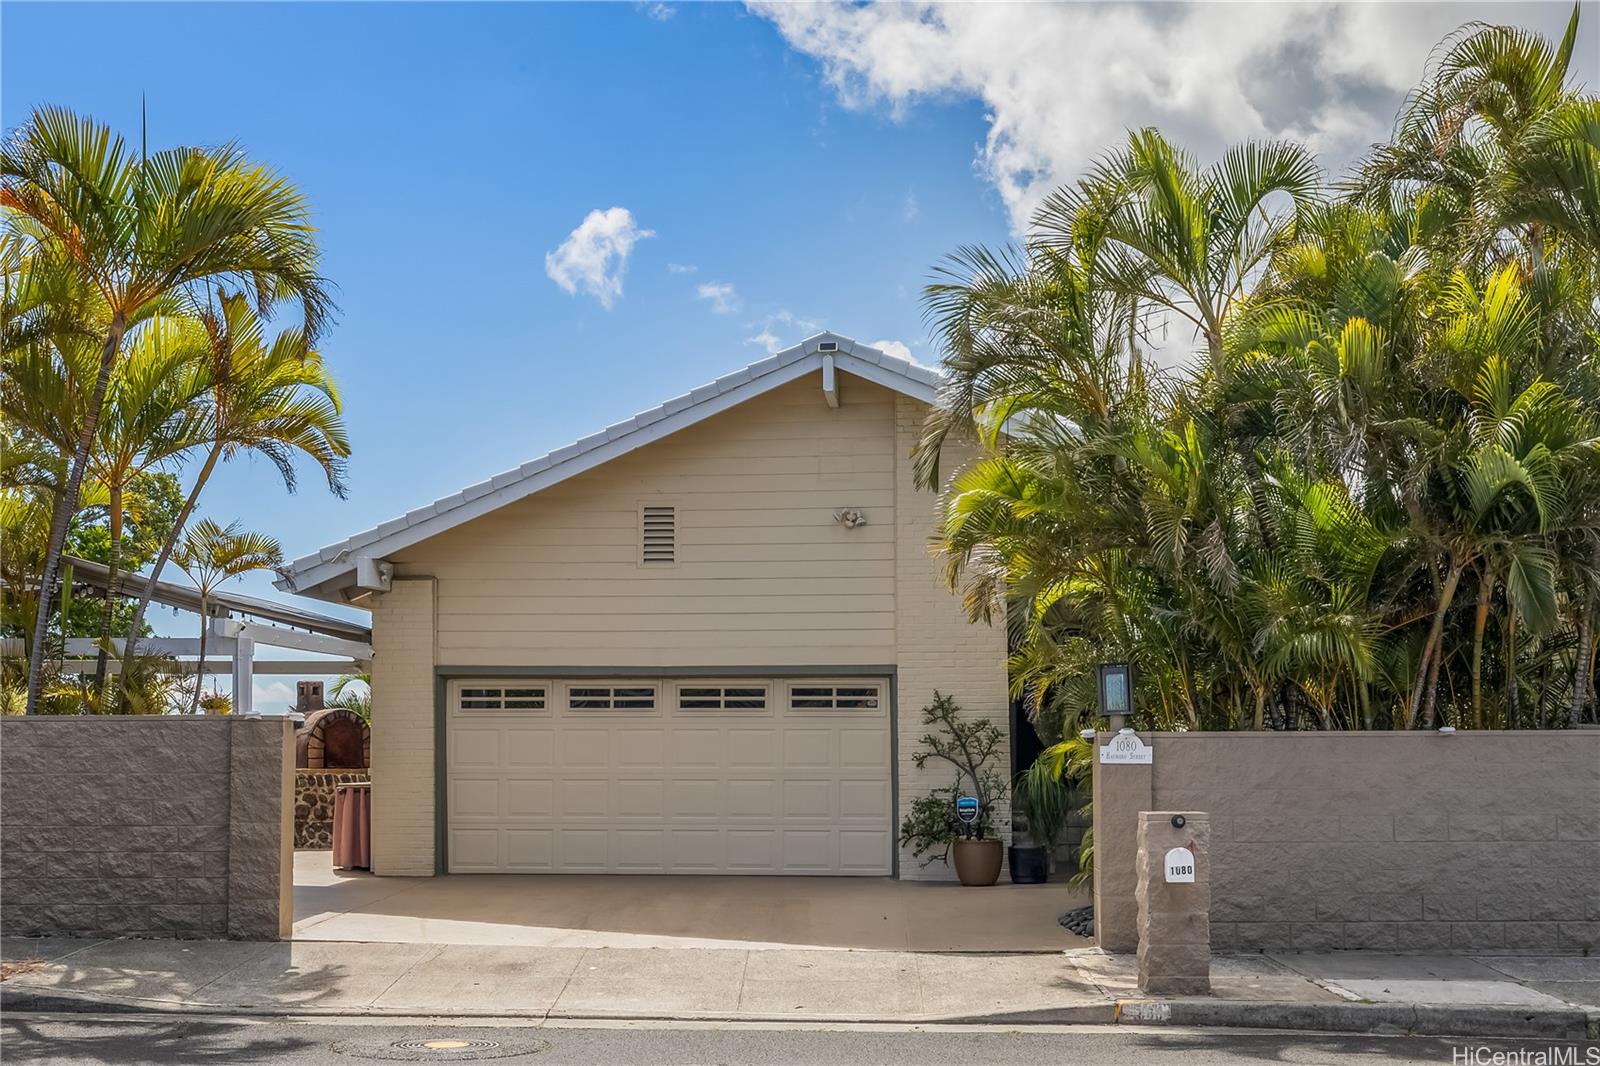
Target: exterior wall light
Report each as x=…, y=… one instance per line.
x=1116, y=692
x=850, y=518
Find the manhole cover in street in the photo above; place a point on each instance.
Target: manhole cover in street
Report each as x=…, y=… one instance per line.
x=438, y=1049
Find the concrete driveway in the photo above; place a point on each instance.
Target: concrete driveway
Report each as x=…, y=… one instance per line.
x=641, y=911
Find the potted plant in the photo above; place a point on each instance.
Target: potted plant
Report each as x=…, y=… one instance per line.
x=932, y=826
x=1041, y=799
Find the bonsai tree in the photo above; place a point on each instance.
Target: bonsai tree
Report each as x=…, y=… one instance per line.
x=969, y=745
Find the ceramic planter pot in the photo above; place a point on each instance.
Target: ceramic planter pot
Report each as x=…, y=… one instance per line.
x=1029, y=865
x=978, y=861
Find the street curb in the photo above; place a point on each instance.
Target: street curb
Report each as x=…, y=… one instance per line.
x=1411, y=1019
x=51, y=1002
x=1376, y=1018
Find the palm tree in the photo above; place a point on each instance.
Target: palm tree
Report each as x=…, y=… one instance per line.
x=150, y=415
x=211, y=554
x=1174, y=235
x=1498, y=133
x=353, y=692
x=273, y=399
x=1390, y=432
x=80, y=209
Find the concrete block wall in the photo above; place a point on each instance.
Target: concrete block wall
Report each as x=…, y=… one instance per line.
x=403, y=646
x=146, y=826
x=1411, y=842
x=937, y=648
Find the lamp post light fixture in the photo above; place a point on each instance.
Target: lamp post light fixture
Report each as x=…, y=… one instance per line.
x=1116, y=692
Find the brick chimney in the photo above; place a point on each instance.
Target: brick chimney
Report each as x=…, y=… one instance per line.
x=308, y=696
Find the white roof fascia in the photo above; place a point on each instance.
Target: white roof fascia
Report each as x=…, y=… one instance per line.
x=338, y=559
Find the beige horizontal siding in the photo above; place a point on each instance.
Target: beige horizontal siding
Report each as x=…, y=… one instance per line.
x=634, y=604
x=764, y=575
x=496, y=574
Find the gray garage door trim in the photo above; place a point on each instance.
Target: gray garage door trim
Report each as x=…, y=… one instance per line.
x=445, y=675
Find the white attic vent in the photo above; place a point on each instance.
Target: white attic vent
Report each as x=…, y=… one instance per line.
x=827, y=346
x=658, y=534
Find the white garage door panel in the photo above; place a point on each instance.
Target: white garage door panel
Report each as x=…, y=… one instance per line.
x=545, y=786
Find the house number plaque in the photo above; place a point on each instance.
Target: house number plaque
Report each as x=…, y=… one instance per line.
x=1126, y=747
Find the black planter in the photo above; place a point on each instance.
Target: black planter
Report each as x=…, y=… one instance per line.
x=1029, y=865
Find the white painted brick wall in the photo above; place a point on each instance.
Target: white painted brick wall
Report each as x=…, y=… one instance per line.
x=937, y=648
x=402, y=742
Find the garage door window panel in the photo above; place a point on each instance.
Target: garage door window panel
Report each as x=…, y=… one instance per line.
x=480, y=697
x=635, y=696
x=718, y=697
x=836, y=697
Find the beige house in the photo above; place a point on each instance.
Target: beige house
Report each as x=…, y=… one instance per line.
x=695, y=642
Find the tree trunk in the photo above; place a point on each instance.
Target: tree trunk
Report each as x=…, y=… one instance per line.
x=1427, y=671
x=66, y=506
x=1581, y=670
x=200, y=667
x=1513, y=697
x=1485, y=590
x=108, y=613
x=166, y=553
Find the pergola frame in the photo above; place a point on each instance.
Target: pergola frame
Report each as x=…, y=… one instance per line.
x=230, y=642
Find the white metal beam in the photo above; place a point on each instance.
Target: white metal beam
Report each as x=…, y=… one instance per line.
x=830, y=382
x=219, y=645
x=224, y=665
x=244, y=687
x=292, y=638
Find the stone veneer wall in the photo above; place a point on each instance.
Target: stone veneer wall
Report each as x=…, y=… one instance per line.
x=313, y=804
x=146, y=826
x=1472, y=842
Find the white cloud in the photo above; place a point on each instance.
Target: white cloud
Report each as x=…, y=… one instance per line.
x=789, y=318
x=272, y=697
x=910, y=210
x=594, y=256
x=724, y=300
x=792, y=324
x=899, y=349
x=659, y=11
x=681, y=268
x=1062, y=82
x=767, y=340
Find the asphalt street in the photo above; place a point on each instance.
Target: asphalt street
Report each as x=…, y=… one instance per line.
x=64, y=1040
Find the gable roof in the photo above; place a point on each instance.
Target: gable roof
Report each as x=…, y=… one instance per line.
x=337, y=561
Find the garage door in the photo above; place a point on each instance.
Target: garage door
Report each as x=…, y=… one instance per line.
x=647, y=775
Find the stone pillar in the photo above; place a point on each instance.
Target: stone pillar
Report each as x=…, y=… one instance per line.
x=1174, y=918
x=260, y=827
x=1121, y=791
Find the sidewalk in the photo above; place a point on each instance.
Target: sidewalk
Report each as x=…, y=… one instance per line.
x=1508, y=996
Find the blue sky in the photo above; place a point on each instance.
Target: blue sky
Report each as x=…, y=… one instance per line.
x=808, y=165
x=447, y=149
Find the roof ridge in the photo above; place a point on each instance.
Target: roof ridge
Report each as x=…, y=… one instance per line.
x=900, y=373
